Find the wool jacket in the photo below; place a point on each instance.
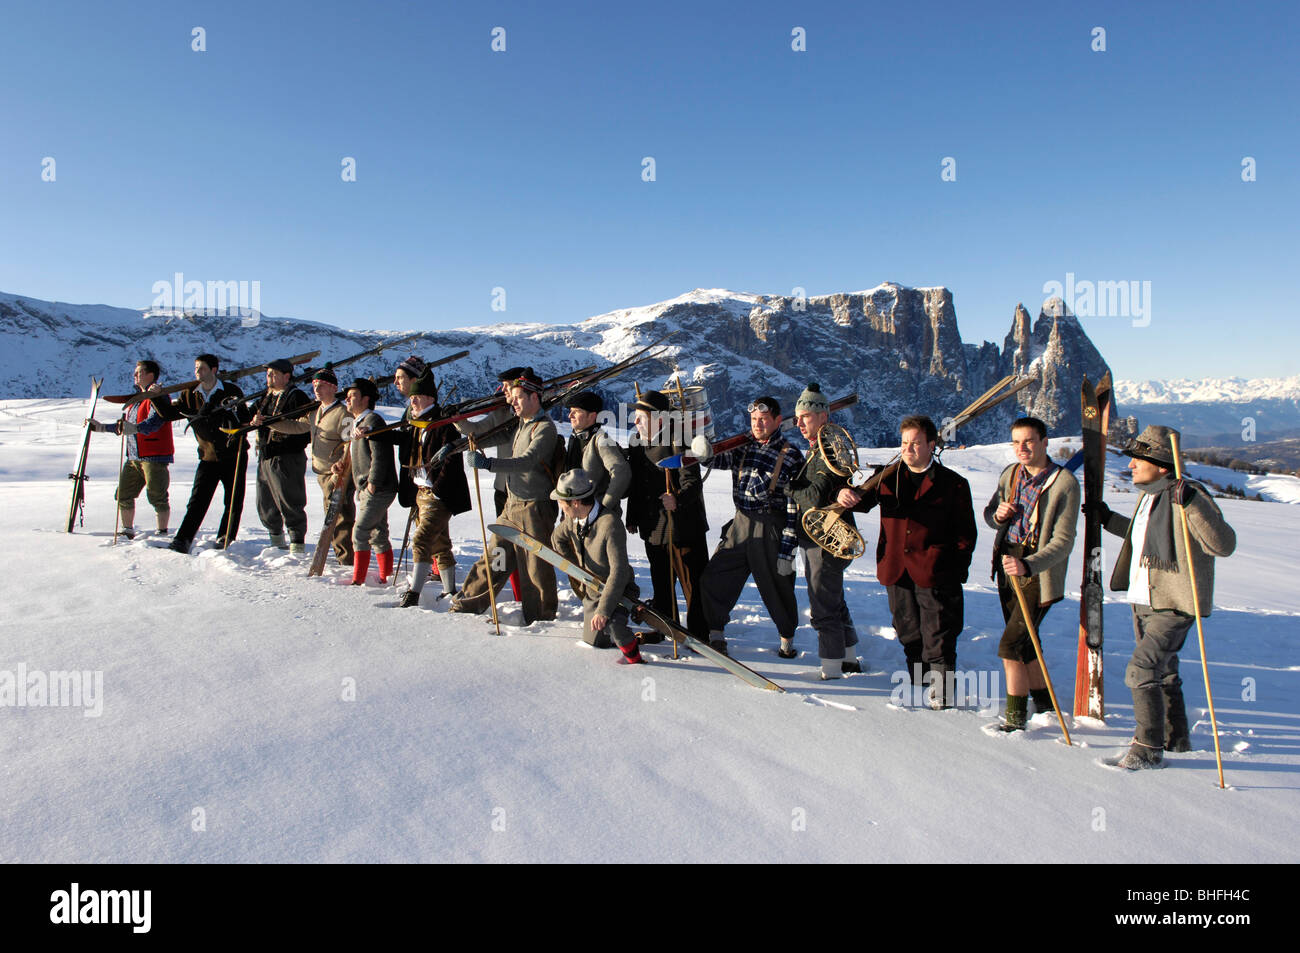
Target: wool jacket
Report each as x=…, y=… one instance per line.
x=1057, y=521
x=284, y=436
x=645, y=511
x=207, y=416
x=817, y=485
x=929, y=535
x=610, y=472
x=533, y=445
x=326, y=441
x=449, y=482
x=372, y=460
x=1211, y=536
x=602, y=551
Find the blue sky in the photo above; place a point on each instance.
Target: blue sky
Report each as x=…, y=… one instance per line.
x=775, y=169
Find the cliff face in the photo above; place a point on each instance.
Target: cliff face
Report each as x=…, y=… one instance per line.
x=898, y=348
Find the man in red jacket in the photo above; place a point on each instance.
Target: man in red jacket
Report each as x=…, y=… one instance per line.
x=927, y=537
x=149, y=451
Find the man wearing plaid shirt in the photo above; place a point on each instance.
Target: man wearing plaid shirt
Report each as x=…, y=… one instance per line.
x=761, y=539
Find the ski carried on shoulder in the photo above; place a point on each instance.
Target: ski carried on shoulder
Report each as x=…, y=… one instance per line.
x=1095, y=406
x=77, y=508
x=638, y=610
x=679, y=461
x=133, y=399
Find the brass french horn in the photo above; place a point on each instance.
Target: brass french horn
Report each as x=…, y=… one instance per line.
x=824, y=525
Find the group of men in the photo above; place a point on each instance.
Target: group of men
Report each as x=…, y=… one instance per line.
x=573, y=495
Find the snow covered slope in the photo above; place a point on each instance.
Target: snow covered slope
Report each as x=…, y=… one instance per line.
x=252, y=714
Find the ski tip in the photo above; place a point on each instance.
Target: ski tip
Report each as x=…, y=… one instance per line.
x=675, y=462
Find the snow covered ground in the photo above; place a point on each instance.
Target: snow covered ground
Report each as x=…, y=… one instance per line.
x=248, y=713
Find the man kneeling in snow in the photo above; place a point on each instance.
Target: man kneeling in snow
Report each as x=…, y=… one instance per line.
x=594, y=538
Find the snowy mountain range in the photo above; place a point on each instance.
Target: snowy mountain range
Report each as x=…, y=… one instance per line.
x=1219, y=412
x=899, y=348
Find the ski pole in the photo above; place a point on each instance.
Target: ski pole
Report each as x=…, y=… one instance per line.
x=487, y=555
x=1038, y=650
x=406, y=538
x=1196, y=606
x=121, y=462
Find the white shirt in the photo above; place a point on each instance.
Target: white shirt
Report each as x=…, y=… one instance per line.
x=1139, y=577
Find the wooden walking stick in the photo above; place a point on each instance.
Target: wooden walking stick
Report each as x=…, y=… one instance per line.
x=672, y=560
x=226, y=535
x=487, y=554
x=1196, y=607
x=1038, y=650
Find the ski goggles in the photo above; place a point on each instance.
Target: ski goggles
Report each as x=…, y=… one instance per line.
x=761, y=407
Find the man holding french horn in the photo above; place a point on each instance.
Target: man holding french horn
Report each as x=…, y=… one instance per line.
x=827, y=534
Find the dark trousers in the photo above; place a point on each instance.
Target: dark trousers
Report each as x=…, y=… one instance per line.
x=750, y=545
x=927, y=622
x=695, y=558
x=827, y=608
x=282, y=495
x=207, y=476
x=1152, y=673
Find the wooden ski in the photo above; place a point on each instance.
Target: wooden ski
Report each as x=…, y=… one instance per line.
x=77, y=508
x=1089, y=697
x=638, y=610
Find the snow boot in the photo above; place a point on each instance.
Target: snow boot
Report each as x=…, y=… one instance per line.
x=631, y=654
x=831, y=668
x=787, y=649
x=719, y=645
x=1141, y=757
x=1042, y=700
x=180, y=545
x=278, y=541
x=410, y=598
x=360, y=566
x=298, y=549
x=936, y=692
x=1017, y=716
x=384, y=563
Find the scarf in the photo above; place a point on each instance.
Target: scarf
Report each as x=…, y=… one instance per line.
x=1158, y=547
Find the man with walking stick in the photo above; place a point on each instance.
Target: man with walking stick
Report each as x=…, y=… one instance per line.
x=530, y=470
x=1035, y=510
x=1166, y=584
x=223, y=460
x=146, y=433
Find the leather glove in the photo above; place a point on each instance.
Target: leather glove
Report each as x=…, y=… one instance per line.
x=478, y=460
x=1182, y=492
x=1100, y=509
